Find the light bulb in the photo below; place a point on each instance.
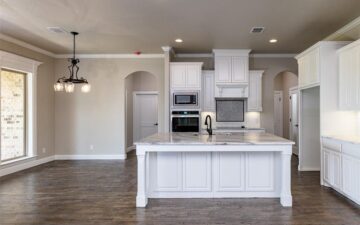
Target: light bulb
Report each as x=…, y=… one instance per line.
x=69, y=87
x=86, y=88
x=58, y=86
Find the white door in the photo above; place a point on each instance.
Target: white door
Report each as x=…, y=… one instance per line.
x=294, y=126
x=193, y=76
x=278, y=113
x=223, y=69
x=178, y=76
x=145, y=119
x=240, y=69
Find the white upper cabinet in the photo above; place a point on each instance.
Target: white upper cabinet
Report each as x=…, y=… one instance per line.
x=208, y=90
x=349, y=77
x=240, y=69
x=254, y=102
x=231, y=72
x=309, y=68
x=185, y=76
x=223, y=69
x=231, y=66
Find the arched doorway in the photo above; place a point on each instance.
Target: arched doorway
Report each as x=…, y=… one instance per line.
x=285, y=86
x=141, y=106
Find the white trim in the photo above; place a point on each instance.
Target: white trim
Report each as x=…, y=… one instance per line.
x=194, y=55
x=318, y=45
x=25, y=165
x=26, y=45
x=260, y=55
x=111, y=56
x=231, y=52
x=130, y=148
x=353, y=24
x=90, y=157
x=308, y=169
x=256, y=55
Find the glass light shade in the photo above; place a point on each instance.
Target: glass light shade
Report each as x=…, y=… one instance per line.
x=58, y=86
x=69, y=87
x=86, y=88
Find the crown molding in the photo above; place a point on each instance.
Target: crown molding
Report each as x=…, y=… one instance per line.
x=111, y=56
x=343, y=30
x=166, y=48
x=210, y=55
x=26, y=45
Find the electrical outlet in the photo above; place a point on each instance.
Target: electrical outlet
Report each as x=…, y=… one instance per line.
x=91, y=147
x=43, y=150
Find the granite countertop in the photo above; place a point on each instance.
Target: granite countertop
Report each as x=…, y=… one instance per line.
x=248, y=138
x=348, y=138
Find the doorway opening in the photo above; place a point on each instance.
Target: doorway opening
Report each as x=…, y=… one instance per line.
x=141, y=102
x=283, y=82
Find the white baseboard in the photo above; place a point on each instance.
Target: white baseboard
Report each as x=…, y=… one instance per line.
x=129, y=149
x=25, y=165
x=89, y=157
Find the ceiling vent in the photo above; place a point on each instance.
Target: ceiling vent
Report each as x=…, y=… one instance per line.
x=257, y=30
x=57, y=30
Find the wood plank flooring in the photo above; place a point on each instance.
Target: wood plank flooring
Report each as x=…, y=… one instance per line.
x=103, y=192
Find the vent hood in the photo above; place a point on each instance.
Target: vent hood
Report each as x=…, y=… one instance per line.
x=232, y=90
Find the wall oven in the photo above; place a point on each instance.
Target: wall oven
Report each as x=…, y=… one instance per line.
x=185, y=100
x=185, y=121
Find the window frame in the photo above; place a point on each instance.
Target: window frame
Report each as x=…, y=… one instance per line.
x=13, y=62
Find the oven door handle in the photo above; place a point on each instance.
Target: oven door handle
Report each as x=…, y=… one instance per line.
x=185, y=116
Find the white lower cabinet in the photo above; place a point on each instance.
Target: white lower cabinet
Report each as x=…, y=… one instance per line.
x=229, y=171
x=213, y=174
x=197, y=171
x=341, y=167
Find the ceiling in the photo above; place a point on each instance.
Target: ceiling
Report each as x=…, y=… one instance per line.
x=126, y=26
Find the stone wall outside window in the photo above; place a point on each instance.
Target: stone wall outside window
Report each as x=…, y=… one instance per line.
x=13, y=113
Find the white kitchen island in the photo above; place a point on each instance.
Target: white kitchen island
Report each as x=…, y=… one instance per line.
x=192, y=165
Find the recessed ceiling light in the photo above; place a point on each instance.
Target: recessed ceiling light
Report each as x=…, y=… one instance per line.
x=273, y=40
x=178, y=40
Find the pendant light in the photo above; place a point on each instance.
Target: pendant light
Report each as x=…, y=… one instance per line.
x=68, y=84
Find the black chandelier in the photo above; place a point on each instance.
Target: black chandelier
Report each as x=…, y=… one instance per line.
x=68, y=84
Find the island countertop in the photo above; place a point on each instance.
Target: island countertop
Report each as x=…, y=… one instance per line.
x=247, y=138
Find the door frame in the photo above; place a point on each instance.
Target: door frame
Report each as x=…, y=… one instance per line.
x=294, y=90
x=282, y=111
x=135, y=109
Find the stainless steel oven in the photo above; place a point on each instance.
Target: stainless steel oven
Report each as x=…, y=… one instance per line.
x=185, y=99
x=185, y=121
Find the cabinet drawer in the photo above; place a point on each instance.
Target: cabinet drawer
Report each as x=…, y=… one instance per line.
x=352, y=149
x=331, y=144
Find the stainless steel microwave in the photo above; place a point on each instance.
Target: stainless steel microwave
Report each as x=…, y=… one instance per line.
x=186, y=99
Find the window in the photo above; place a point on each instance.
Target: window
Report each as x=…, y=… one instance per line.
x=13, y=114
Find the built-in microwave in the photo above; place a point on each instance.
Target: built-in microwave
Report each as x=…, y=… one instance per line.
x=186, y=99
x=185, y=121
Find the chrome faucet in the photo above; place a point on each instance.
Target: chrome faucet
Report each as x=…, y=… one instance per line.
x=208, y=125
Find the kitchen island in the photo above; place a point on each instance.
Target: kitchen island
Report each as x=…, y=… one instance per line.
x=229, y=165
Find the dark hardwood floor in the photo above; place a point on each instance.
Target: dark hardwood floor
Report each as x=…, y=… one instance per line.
x=103, y=192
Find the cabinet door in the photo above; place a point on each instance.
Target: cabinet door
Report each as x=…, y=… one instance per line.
x=223, y=69
x=240, y=69
x=254, y=102
x=168, y=171
x=327, y=166
x=313, y=75
x=229, y=171
x=259, y=171
x=197, y=171
x=349, y=183
x=193, y=76
x=208, y=91
x=349, y=79
x=178, y=76
x=336, y=170
x=302, y=65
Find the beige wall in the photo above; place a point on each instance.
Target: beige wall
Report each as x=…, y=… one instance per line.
x=138, y=81
x=45, y=96
x=283, y=82
x=98, y=118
